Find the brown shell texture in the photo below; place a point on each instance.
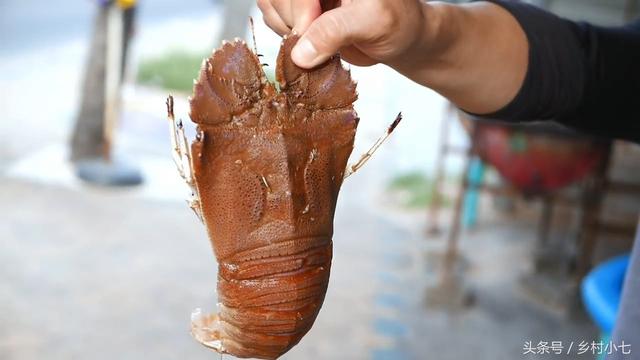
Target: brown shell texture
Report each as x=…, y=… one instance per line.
x=268, y=167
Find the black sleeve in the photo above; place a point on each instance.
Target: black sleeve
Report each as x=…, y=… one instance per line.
x=584, y=76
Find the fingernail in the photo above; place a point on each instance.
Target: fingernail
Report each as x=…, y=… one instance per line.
x=304, y=53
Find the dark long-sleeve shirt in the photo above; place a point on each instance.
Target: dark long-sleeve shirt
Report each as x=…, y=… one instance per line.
x=584, y=76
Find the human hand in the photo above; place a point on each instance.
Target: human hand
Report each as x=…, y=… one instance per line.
x=474, y=54
x=365, y=32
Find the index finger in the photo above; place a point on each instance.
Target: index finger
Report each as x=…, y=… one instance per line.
x=304, y=12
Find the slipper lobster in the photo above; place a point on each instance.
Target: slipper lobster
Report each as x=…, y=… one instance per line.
x=265, y=170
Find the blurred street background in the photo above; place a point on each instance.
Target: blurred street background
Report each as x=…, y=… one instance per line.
x=99, y=272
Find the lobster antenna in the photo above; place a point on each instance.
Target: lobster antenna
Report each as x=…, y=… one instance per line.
x=169, y=103
x=253, y=35
x=366, y=156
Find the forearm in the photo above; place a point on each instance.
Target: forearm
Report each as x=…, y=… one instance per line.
x=476, y=55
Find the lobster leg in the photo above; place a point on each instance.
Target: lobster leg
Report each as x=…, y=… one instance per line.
x=366, y=156
x=181, y=153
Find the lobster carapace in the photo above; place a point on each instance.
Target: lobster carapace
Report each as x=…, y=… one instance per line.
x=265, y=170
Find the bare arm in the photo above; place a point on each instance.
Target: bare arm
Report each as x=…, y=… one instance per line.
x=474, y=54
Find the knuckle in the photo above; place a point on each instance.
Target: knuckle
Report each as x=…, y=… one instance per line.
x=332, y=24
x=262, y=4
x=325, y=35
x=280, y=4
x=387, y=18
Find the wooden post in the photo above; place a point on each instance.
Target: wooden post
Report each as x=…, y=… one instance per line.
x=113, y=75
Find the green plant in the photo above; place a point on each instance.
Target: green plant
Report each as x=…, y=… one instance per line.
x=175, y=70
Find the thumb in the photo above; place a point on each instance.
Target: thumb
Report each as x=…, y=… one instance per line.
x=331, y=31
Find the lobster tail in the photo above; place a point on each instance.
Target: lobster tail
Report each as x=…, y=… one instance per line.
x=267, y=305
